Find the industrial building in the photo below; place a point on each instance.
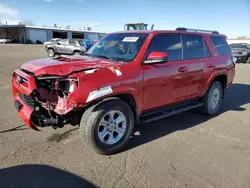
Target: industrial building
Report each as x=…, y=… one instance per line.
x=32, y=34
x=238, y=40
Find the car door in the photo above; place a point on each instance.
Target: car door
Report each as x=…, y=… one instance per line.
x=69, y=49
x=164, y=83
x=62, y=45
x=196, y=57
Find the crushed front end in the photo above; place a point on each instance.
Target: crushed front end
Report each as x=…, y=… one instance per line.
x=45, y=101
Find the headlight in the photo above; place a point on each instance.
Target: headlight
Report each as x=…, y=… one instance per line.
x=67, y=85
x=62, y=85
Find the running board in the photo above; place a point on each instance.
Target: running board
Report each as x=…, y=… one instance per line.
x=169, y=111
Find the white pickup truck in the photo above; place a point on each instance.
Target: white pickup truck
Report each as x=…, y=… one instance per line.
x=4, y=40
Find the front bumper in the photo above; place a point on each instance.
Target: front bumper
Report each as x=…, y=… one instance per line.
x=241, y=59
x=31, y=111
x=25, y=85
x=25, y=112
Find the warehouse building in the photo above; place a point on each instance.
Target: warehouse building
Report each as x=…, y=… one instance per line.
x=32, y=34
x=238, y=40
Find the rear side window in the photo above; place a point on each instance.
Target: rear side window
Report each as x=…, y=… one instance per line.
x=194, y=47
x=64, y=42
x=221, y=45
x=72, y=43
x=168, y=43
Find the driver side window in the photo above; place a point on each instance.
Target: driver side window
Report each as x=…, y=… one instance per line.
x=167, y=43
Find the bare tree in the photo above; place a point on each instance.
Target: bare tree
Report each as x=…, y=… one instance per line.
x=68, y=27
x=55, y=26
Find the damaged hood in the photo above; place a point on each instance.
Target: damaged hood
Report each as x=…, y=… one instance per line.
x=65, y=65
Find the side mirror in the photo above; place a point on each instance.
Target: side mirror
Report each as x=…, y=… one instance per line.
x=156, y=57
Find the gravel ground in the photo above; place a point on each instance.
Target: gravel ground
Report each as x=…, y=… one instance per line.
x=186, y=150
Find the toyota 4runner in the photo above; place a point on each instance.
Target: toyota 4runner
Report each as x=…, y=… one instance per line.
x=126, y=78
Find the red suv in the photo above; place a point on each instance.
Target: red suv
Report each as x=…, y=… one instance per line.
x=126, y=78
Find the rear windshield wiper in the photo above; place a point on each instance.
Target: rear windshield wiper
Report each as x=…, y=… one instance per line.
x=103, y=56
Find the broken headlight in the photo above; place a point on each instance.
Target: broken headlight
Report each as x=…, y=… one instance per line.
x=54, y=85
x=67, y=85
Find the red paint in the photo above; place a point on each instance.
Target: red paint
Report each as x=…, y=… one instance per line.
x=25, y=114
x=63, y=106
x=24, y=87
x=64, y=66
x=157, y=55
x=151, y=86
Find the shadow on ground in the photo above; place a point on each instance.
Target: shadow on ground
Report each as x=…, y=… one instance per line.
x=18, y=128
x=31, y=176
x=236, y=96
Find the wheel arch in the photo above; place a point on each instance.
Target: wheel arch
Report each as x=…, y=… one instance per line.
x=222, y=78
x=76, y=51
x=126, y=97
x=50, y=47
x=129, y=99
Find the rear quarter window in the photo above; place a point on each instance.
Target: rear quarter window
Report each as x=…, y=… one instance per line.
x=221, y=45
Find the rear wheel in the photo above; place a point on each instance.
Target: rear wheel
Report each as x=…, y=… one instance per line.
x=107, y=127
x=212, y=99
x=51, y=52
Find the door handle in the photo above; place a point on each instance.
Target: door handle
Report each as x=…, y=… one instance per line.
x=183, y=69
x=210, y=65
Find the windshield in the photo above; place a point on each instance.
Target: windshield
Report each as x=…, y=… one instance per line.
x=119, y=46
x=238, y=45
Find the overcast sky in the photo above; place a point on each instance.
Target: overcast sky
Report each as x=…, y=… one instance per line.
x=231, y=17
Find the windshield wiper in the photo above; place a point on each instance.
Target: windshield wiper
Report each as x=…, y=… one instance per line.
x=102, y=56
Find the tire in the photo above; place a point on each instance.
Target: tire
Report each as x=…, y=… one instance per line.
x=77, y=53
x=208, y=108
x=91, y=129
x=51, y=52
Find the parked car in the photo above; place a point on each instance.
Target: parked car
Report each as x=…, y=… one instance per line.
x=51, y=41
x=241, y=51
x=5, y=40
x=87, y=44
x=126, y=78
x=65, y=47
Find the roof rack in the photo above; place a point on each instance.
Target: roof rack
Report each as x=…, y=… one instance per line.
x=196, y=30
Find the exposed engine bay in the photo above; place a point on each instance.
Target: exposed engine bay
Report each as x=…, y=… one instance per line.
x=53, y=93
x=52, y=105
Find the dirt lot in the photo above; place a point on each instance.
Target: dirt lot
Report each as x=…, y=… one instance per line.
x=187, y=150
